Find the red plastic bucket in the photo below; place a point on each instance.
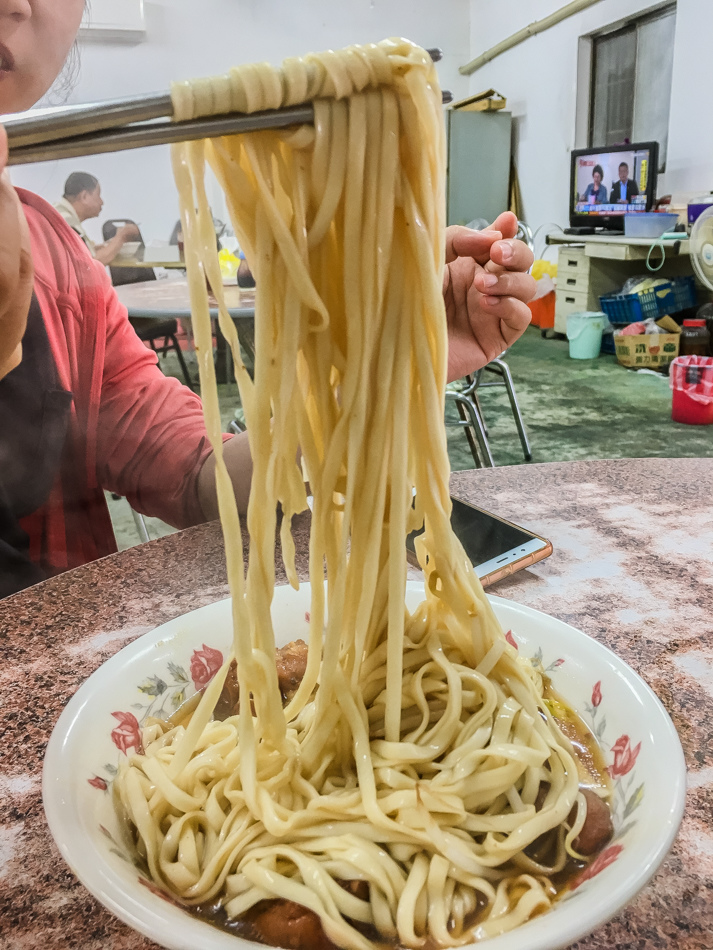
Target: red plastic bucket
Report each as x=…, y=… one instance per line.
x=692, y=385
x=685, y=409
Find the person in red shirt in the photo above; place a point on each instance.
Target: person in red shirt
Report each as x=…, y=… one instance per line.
x=84, y=406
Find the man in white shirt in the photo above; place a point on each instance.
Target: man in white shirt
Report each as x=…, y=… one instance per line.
x=82, y=199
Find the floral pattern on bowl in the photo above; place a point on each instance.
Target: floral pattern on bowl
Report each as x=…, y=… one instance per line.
x=164, y=695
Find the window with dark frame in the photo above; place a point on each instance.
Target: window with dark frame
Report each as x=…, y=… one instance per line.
x=630, y=85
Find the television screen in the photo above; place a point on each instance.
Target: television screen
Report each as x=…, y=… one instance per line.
x=613, y=182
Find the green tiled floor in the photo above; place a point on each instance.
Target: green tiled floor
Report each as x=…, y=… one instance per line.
x=580, y=409
x=573, y=410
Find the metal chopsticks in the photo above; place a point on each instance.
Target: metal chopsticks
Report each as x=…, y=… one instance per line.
x=118, y=124
x=141, y=135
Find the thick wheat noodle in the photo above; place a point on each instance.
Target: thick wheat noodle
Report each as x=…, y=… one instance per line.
x=416, y=762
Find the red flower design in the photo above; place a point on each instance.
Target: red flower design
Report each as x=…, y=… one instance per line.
x=205, y=664
x=98, y=782
x=126, y=735
x=597, y=694
x=601, y=862
x=624, y=757
x=511, y=639
x=307, y=615
x=557, y=663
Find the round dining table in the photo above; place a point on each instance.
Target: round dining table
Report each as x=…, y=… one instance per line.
x=632, y=567
x=169, y=299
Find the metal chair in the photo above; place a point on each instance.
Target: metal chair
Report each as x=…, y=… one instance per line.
x=148, y=331
x=471, y=414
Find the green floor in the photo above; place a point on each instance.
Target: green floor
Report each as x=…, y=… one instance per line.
x=579, y=409
x=573, y=409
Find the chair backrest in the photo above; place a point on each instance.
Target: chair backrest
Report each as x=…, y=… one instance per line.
x=110, y=227
x=125, y=275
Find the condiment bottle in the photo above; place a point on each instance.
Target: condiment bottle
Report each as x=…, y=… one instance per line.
x=695, y=338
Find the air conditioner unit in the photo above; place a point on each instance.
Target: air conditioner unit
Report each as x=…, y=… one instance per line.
x=114, y=20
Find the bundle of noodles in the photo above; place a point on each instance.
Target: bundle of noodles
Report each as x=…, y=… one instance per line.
x=417, y=754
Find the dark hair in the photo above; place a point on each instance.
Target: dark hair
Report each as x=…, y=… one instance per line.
x=623, y=165
x=598, y=168
x=79, y=182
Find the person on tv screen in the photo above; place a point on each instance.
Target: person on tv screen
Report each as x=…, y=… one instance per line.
x=624, y=190
x=596, y=192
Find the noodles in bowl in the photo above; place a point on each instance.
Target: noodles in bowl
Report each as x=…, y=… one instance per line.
x=417, y=756
x=416, y=788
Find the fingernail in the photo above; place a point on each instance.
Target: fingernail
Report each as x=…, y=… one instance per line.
x=506, y=251
x=491, y=301
x=489, y=280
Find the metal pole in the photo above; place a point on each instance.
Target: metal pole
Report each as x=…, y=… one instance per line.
x=539, y=26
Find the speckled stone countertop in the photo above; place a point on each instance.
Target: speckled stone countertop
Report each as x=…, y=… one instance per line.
x=633, y=567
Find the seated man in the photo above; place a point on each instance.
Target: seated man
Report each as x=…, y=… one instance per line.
x=82, y=199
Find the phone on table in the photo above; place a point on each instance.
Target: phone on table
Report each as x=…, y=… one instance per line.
x=495, y=547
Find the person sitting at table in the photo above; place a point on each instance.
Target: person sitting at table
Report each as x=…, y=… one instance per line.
x=84, y=405
x=596, y=192
x=82, y=200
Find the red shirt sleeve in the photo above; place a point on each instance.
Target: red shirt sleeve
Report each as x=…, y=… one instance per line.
x=151, y=439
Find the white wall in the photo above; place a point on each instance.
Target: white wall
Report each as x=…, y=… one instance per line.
x=539, y=79
x=187, y=38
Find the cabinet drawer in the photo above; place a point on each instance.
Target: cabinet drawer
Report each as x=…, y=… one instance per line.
x=566, y=303
x=572, y=282
x=573, y=262
x=572, y=301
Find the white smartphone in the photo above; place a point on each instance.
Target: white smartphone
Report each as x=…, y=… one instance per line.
x=495, y=547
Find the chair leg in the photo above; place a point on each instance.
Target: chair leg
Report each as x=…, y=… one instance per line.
x=141, y=528
x=182, y=362
x=469, y=434
x=475, y=423
x=504, y=370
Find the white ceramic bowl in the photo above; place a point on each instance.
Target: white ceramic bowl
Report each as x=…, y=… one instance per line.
x=158, y=670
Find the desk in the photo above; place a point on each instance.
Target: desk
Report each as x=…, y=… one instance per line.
x=591, y=265
x=617, y=247
x=633, y=568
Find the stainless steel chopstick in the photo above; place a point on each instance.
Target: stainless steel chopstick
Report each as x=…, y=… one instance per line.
x=71, y=121
x=157, y=133
x=137, y=122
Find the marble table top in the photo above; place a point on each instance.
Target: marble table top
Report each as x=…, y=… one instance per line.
x=160, y=298
x=633, y=567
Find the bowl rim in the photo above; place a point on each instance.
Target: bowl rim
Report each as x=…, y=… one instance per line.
x=151, y=916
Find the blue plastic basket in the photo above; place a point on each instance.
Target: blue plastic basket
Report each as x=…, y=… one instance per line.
x=684, y=291
x=623, y=309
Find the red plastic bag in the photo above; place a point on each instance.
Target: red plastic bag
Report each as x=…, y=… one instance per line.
x=694, y=376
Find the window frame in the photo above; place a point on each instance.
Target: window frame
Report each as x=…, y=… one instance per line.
x=586, y=65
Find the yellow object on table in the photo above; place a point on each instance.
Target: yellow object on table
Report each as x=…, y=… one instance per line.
x=229, y=264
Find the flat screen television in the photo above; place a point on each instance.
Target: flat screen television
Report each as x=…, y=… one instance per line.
x=607, y=183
